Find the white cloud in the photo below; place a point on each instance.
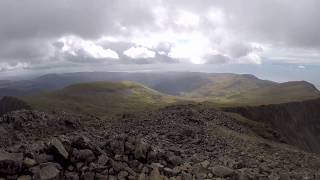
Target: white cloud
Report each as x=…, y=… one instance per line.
x=75, y=46
x=192, y=46
x=187, y=19
x=301, y=67
x=139, y=52
x=161, y=16
x=17, y=66
x=251, y=58
x=98, y=52
x=216, y=16
x=162, y=53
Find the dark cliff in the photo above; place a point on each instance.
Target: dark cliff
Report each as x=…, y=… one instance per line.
x=298, y=122
x=8, y=104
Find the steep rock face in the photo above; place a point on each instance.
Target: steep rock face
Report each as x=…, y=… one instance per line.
x=8, y=104
x=299, y=122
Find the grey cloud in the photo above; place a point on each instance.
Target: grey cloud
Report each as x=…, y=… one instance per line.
x=30, y=29
x=27, y=49
x=157, y=59
x=293, y=23
x=237, y=49
x=217, y=59
x=37, y=18
x=119, y=47
x=286, y=22
x=82, y=58
x=164, y=46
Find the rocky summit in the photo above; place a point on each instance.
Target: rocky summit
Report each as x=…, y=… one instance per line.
x=182, y=142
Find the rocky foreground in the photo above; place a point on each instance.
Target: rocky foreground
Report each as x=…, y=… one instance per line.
x=179, y=142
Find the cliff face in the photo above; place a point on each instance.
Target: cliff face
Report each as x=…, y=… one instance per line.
x=8, y=104
x=298, y=122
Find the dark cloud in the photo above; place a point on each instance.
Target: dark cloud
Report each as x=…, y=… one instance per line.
x=217, y=59
x=37, y=18
x=30, y=49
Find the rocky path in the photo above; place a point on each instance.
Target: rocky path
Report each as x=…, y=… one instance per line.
x=177, y=142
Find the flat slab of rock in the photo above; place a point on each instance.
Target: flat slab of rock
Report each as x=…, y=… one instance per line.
x=222, y=171
x=49, y=172
x=24, y=177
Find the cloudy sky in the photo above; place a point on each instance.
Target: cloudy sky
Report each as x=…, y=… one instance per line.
x=46, y=35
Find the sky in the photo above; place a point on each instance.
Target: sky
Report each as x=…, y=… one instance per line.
x=276, y=39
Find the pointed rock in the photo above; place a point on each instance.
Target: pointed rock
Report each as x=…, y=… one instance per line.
x=141, y=150
x=155, y=174
x=58, y=146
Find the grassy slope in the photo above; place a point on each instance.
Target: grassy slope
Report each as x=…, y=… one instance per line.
x=237, y=90
x=224, y=85
x=100, y=98
x=275, y=94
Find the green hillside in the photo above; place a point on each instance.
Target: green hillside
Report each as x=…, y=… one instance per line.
x=100, y=98
x=279, y=93
x=224, y=85
x=232, y=89
x=106, y=98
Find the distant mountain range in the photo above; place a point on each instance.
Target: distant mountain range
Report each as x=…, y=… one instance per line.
x=224, y=88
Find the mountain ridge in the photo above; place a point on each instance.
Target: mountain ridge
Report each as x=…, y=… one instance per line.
x=224, y=88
